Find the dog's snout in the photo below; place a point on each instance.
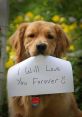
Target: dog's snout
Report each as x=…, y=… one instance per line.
x=41, y=47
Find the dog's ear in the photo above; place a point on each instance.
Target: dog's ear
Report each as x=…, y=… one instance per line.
x=17, y=41
x=62, y=41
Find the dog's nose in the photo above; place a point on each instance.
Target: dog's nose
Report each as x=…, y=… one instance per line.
x=41, y=47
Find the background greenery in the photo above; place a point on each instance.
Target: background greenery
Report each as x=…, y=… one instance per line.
x=67, y=13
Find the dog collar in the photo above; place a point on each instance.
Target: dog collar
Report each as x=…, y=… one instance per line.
x=35, y=101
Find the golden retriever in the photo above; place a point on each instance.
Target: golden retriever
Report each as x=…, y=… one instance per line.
x=46, y=38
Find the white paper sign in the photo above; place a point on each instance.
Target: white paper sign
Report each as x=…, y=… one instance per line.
x=40, y=75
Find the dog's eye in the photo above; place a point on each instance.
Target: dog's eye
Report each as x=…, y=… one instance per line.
x=31, y=35
x=50, y=36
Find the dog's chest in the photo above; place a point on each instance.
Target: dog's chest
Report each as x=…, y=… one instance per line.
x=48, y=105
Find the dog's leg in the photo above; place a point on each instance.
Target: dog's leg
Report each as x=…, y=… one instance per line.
x=80, y=113
x=74, y=108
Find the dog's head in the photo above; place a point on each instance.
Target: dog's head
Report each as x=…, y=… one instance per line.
x=39, y=37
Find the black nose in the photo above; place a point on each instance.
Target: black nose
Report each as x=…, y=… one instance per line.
x=41, y=47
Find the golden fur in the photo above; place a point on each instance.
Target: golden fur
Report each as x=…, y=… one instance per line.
x=24, y=41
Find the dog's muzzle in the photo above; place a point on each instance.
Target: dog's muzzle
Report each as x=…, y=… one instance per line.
x=41, y=48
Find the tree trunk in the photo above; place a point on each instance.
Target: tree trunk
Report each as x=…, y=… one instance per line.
x=3, y=27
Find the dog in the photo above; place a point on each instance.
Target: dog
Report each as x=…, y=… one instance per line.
x=46, y=38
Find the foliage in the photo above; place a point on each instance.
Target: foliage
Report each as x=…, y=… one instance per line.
x=66, y=13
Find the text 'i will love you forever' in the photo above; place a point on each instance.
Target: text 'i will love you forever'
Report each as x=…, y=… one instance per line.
x=40, y=75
